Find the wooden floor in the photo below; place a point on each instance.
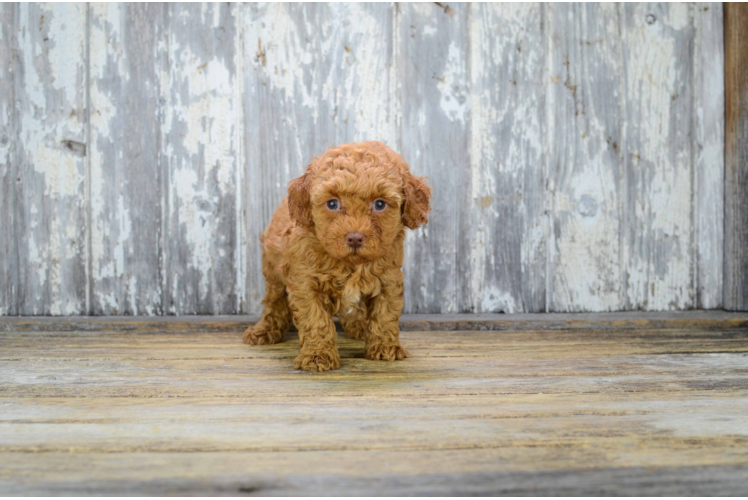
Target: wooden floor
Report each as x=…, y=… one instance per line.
x=556, y=404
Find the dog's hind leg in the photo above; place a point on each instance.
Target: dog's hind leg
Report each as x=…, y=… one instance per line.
x=276, y=316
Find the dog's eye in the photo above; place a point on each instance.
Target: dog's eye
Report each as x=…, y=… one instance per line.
x=333, y=204
x=379, y=205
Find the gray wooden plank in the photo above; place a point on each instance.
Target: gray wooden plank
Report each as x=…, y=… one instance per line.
x=367, y=423
x=736, y=158
x=50, y=210
x=630, y=320
x=658, y=210
x=202, y=147
x=586, y=162
x=126, y=177
x=317, y=75
x=526, y=353
x=432, y=56
x=709, y=130
x=563, y=369
x=8, y=168
x=385, y=473
x=211, y=345
x=504, y=248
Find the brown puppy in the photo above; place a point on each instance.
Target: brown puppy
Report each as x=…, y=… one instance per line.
x=335, y=248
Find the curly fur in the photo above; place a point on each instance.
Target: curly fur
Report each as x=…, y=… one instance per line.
x=313, y=275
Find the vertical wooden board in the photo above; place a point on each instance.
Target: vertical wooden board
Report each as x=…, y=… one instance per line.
x=50, y=211
x=709, y=144
x=586, y=162
x=435, y=98
x=8, y=173
x=736, y=157
x=658, y=47
x=202, y=134
x=125, y=168
x=506, y=246
x=317, y=75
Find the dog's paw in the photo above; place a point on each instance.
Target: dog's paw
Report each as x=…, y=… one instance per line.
x=318, y=362
x=384, y=352
x=257, y=335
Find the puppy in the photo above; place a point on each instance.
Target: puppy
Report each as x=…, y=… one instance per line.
x=334, y=247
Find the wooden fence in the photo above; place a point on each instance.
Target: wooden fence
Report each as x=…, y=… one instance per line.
x=576, y=151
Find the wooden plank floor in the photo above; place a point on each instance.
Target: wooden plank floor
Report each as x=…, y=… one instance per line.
x=557, y=404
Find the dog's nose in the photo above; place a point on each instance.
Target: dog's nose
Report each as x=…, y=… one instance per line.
x=354, y=240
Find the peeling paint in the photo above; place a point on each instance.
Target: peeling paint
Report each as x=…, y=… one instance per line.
x=507, y=259
x=202, y=146
x=455, y=97
x=575, y=151
x=50, y=95
x=661, y=183
x=585, y=254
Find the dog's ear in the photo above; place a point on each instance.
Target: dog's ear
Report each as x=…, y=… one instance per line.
x=417, y=196
x=299, y=201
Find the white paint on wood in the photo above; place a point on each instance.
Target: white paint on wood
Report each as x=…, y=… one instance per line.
x=50, y=87
x=8, y=165
x=584, y=91
x=433, y=54
x=202, y=134
x=125, y=195
x=658, y=43
x=709, y=152
x=506, y=201
x=575, y=151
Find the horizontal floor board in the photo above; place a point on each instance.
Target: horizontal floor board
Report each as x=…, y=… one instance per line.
x=439, y=322
x=71, y=410
x=506, y=471
x=417, y=376
x=161, y=345
x=178, y=424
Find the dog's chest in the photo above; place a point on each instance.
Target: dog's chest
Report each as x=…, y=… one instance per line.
x=356, y=287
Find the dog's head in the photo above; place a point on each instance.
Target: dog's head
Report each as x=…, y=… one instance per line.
x=357, y=198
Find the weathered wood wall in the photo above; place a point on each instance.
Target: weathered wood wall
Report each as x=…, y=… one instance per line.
x=576, y=151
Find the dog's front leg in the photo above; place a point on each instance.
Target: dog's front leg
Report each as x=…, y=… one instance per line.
x=383, y=341
x=318, y=350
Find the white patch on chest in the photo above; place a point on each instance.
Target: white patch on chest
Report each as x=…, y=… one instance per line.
x=352, y=291
x=351, y=296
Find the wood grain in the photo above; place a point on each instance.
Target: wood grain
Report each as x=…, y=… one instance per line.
x=576, y=152
x=8, y=168
x=709, y=150
x=683, y=320
x=203, y=137
x=366, y=424
x=506, y=261
x=391, y=473
x=586, y=162
x=435, y=99
x=149, y=363
x=126, y=169
x=657, y=49
x=50, y=154
x=168, y=410
x=736, y=157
